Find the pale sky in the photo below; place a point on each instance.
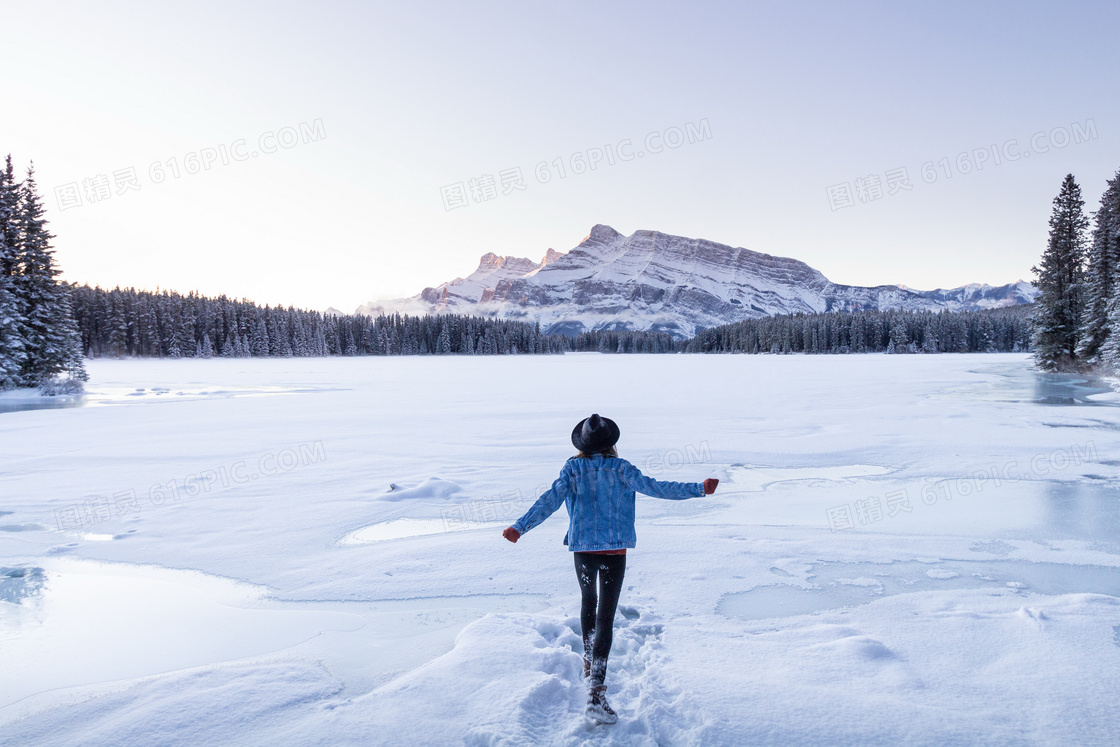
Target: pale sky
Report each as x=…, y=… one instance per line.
x=400, y=101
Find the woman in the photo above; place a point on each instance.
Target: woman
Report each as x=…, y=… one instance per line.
x=598, y=489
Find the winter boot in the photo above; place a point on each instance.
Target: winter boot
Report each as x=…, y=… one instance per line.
x=588, y=641
x=597, y=707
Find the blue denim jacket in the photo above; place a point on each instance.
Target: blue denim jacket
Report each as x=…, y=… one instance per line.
x=599, y=495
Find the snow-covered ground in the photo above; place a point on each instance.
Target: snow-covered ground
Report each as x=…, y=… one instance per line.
x=902, y=550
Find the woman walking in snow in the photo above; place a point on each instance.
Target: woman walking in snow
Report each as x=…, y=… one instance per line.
x=598, y=487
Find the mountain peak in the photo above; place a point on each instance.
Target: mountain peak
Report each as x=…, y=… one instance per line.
x=601, y=233
x=661, y=282
x=491, y=261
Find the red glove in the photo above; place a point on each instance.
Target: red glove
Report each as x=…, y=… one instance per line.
x=710, y=485
x=511, y=534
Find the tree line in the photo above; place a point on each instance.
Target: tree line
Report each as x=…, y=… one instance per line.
x=38, y=337
x=1005, y=330
x=164, y=324
x=624, y=341
x=1076, y=325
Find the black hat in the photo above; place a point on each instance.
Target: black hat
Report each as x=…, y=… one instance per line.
x=594, y=434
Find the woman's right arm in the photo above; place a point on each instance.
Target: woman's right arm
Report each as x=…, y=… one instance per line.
x=547, y=504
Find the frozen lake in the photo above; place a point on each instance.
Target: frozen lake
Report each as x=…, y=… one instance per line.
x=903, y=549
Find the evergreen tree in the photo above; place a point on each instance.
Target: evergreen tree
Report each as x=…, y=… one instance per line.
x=53, y=345
x=1104, y=263
x=899, y=341
x=259, y=343
x=443, y=343
x=1060, y=303
x=12, y=356
x=227, y=346
x=1107, y=233
x=929, y=338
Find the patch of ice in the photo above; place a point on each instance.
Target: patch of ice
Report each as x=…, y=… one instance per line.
x=861, y=581
x=77, y=630
x=995, y=547
x=22, y=527
x=19, y=583
x=837, y=587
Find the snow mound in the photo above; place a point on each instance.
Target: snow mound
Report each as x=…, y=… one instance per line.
x=433, y=487
x=942, y=573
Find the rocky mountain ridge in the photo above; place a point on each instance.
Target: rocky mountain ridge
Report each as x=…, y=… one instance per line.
x=656, y=281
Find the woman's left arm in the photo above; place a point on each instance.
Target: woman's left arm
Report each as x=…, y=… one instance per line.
x=639, y=483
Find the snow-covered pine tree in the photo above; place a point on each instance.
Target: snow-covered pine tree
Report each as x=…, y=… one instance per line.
x=1061, y=282
x=1106, y=243
x=1103, y=265
x=985, y=336
x=118, y=328
x=899, y=341
x=443, y=342
x=12, y=355
x=259, y=344
x=275, y=333
x=53, y=345
x=929, y=338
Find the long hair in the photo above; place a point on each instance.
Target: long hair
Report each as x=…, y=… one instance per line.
x=610, y=451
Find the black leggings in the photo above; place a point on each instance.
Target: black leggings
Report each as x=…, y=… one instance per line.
x=596, y=615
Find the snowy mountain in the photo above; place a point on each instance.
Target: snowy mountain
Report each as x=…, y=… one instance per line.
x=656, y=281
